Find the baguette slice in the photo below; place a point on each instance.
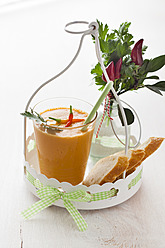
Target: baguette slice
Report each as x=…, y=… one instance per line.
x=107, y=170
x=134, y=157
x=149, y=147
x=130, y=171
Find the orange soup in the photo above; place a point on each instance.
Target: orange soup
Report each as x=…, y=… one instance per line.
x=63, y=151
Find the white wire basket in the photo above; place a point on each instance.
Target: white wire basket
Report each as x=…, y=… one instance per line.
x=122, y=189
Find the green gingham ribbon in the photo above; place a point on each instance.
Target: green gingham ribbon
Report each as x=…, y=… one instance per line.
x=49, y=195
x=135, y=180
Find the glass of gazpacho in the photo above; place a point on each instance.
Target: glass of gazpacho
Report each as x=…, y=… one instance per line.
x=63, y=143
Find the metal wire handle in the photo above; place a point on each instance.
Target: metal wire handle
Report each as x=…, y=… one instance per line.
x=86, y=32
x=92, y=30
x=140, y=129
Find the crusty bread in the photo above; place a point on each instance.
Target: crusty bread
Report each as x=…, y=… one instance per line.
x=148, y=147
x=134, y=157
x=111, y=168
x=130, y=171
x=106, y=170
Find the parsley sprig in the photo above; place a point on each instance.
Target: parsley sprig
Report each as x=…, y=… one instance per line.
x=116, y=45
x=125, y=64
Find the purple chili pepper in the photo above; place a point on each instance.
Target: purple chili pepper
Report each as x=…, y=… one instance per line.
x=118, y=68
x=110, y=71
x=136, y=53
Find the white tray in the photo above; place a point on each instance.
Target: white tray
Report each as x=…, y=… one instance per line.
x=126, y=187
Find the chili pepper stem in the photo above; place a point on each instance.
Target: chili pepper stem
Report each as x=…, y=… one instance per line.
x=54, y=119
x=71, y=109
x=70, y=117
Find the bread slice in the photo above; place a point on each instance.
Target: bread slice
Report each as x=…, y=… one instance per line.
x=130, y=171
x=111, y=168
x=148, y=147
x=107, y=169
x=134, y=157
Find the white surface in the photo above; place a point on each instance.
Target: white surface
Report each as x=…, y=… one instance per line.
x=33, y=48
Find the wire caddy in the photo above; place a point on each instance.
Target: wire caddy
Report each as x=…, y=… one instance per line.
x=119, y=191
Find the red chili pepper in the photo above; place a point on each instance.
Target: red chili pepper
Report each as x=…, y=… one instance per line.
x=136, y=53
x=60, y=121
x=70, y=118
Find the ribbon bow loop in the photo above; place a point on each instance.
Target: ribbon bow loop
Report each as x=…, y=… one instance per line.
x=79, y=196
x=46, y=191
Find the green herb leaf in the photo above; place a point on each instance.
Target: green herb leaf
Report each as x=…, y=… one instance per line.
x=103, y=30
x=156, y=64
x=40, y=117
x=152, y=77
x=101, y=88
x=37, y=117
x=123, y=29
x=122, y=49
x=104, y=46
x=144, y=48
x=53, y=130
x=129, y=116
x=128, y=38
x=143, y=69
x=159, y=85
x=153, y=88
x=99, y=81
x=97, y=70
x=111, y=36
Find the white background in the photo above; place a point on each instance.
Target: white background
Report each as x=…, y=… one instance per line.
x=33, y=48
